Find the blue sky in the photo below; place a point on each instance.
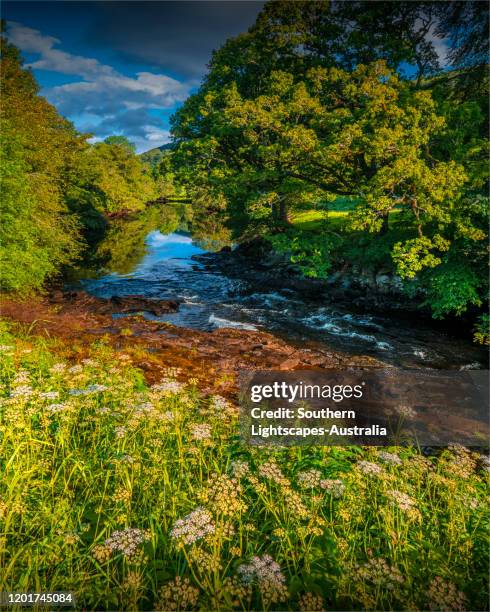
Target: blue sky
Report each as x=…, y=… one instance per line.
x=122, y=67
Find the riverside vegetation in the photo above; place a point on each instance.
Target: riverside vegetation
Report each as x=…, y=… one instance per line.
x=142, y=497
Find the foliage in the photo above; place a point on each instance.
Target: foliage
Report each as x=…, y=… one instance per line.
x=311, y=252
x=37, y=234
x=320, y=101
x=56, y=188
x=482, y=330
x=139, y=497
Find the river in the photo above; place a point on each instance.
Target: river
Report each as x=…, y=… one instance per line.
x=167, y=270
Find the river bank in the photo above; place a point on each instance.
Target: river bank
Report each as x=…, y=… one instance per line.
x=212, y=358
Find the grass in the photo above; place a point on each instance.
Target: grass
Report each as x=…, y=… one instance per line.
x=333, y=216
x=142, y=498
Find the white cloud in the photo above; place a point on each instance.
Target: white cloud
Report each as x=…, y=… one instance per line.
x=103, y=92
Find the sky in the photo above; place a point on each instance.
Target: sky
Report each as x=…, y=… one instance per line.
x=122, y=67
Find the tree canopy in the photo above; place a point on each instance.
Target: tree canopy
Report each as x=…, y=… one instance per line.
x=320, y=100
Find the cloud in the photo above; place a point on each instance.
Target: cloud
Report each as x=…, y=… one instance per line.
x=116, y=103
x=174, y=35
x=32, y=41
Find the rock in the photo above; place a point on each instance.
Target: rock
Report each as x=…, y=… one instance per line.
x=289, y=364
x=137, y=303
x=116, y=304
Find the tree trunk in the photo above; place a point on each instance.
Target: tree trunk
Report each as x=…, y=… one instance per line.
x=283, y=212
x=384, y=227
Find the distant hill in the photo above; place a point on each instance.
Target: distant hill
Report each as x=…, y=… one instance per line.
x=153, y=156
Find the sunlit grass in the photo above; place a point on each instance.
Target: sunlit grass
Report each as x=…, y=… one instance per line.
x=138, y=497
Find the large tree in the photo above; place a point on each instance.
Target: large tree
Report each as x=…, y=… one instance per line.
x=319, y=100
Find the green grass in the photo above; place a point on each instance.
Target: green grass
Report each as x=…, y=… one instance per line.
x=338, y=528
x=332, y=215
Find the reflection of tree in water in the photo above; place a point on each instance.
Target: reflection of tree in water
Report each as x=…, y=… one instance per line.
x=208, y=230
x=123, y=245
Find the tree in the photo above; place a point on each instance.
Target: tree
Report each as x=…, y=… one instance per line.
x=310, y=104
x=38, y=234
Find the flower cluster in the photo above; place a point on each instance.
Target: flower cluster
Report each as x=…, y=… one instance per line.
x=309, y=602
x=334, y=486
x=204, y=561
x=389, y=458
x=177, y=595
x=200, y=431
x=239, y=592
x=369, y=468
x=402, y=500
x=222, y=494
x=168, y=387
x=266, y=573
x=272, y=471
x=90, y=390
x=309, y=479
x=193, y=527
x=444, y=595
x=127, y=541
x=239, y=469
x=380, y=573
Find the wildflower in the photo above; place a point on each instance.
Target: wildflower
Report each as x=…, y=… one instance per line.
x=177, y=595
x=88, y=362
x=405, y=411
x=368, y=468
x=168, y=387
x=238, y=591
x=49, y=395
x=58, y=368
x=266, y=573
x=235, y=551
x=271, y=471
x=120, y=431
x=461, y=462
x=402, y=500
x=222, y=406
x=380, y=573
x=223, y=495
x=126, y=459
x=4, y=348
x=22, y=391
x=309, y=479
x=239, y=469
x=294, y=503
x=389, y=458
x=71, y=538
x=196, y=525
x=309, y=602
x=101, y=553
x=444, y=595
x=204, y=561
x=133, y=581
x=89, y=390
x=53, y=408
x=485, y=462
x=200, y=431
x=76, y=369
x=122, y=495
x=22, y=377
x=127, y=541
x=335, y=487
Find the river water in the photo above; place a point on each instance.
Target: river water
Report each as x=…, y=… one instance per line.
x=210, y=300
